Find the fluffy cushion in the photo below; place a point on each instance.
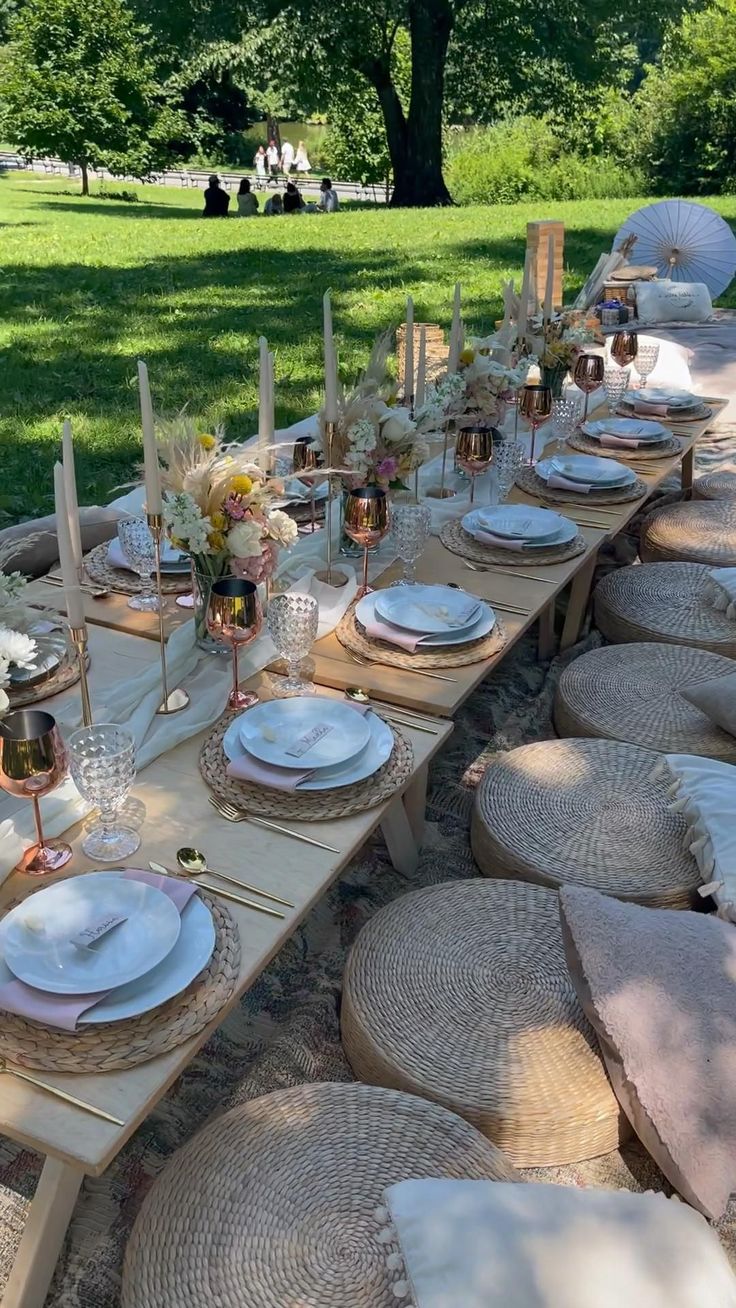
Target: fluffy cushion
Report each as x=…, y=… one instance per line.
x=721, y=590
x=96, y=525
x=487, y=1244
x=705, y=793
x=660, y=989
x=673, y=302
x=715, y=698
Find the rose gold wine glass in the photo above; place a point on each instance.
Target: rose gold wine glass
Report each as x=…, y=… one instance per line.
x=33, y=760
x=535, y=405
x=366, y=522
x=588, y=376
x=306, y=459
x=624, y=347
x=234, y=615
x=474, y=452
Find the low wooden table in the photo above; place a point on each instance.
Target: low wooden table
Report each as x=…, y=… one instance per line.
x=178, y=813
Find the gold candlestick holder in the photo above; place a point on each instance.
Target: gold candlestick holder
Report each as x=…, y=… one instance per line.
x=178, y=699
x=328, y=574
x=79, y=640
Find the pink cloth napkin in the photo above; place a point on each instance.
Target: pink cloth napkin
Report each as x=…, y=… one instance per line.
x=408, y=640
x=64, y=1011
x=250, y=768
x=610, y=442
x=651, y=410
x=499, y=542
x=558, y=482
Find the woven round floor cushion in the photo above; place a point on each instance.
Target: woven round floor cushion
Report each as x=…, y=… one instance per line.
x=715, y=486
x=667, y=602
x=702, y=531
x=632, y=692
x=585, y=813
x=461, y=993
x=274, y=1204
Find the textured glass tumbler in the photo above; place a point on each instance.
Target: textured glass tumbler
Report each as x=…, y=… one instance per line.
x=615, y=384
x=508, y=457
x=410, y=528
x=292, y=622
x=136, y=542
x=102, y=766
x=647, y=358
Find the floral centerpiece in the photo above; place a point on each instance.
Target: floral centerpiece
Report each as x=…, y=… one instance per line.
x=558, y=343
x=478, y=393
x=18, y=648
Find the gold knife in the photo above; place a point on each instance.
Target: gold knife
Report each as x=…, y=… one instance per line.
x=215, y=890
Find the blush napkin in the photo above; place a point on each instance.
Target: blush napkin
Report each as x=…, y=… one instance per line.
x=558, y=482
x=64, y=1011
x=611, y=442
x=498, y=542
x=250, y=768
x=651, y=410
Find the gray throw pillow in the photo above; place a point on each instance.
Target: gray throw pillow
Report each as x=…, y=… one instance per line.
x=33, y=560
x=716, y=699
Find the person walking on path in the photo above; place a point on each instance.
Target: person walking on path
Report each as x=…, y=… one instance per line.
x=303, y=166
x=247, y=201
x=259, y=162
x=328, y=200
x=216, y=200
x=273, y=158
x=287, y=157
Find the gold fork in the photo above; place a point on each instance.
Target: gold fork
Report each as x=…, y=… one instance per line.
x=233, y=814
x=59, y=1094
x=419, y=672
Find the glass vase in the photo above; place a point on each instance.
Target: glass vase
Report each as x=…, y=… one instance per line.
x=201, y=587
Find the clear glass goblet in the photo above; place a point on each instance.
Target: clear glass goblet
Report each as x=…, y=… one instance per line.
x=102, y=766
x=410, y=527
x=508, y=457
x=292, y=622
x=647, y=358
x=137, y=544
x=615, y=384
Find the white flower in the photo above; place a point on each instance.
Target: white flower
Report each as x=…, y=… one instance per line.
x=16, y=648
x=244, y=539
x=362, y=435
x=281, y=527
x=397, y=427
x=12, y=586
x=4, y=673
x=185, y=523
x=4, y=702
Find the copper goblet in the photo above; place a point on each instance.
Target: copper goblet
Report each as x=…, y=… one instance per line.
x=366, y=522
x=33, y=760
x=306, y=460
x=474, y=452
x=234, y=615
x=588, y=376
x=624, y=347
x=535, y=405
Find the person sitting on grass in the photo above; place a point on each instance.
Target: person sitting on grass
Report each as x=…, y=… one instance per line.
x=328, y=201
x=216, y=200
x=247, y=201
x=293, y=202
x=273, y=206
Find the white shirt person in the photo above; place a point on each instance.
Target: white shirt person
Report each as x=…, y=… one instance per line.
x=287, y=157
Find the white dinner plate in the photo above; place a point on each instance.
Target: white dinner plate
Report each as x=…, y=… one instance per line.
x=365, y=612
x=567, y=532
x=172, y=560
x=588, y=469
x=369, y=760
x=271, y=729
x=640, y=429
x=35, y=937
x=44, y=665
x=674, y=398
x=518, y=522
x=430, y=610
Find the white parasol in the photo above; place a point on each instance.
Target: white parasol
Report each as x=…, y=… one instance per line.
x=686, y=241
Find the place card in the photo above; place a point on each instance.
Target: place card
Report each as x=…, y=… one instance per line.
x=310, y=738
x=96, y=930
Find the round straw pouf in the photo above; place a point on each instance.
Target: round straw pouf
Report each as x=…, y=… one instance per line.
x=632, y=692
x=584, y=813
x=667, y=602
x=701, y=531
x=461, y=993
x=273, y=1205
x=715, y=486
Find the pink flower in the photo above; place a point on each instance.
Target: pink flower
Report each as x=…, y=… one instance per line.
x=386, y=470
x=235, y=508
x=260, y=566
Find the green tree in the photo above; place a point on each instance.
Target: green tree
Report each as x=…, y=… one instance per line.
x=79, y=82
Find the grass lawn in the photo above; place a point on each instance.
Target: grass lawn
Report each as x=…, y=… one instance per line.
x=88, y=286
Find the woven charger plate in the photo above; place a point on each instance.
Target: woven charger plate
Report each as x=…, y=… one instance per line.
x=66, y=675
x=676, y=418
x=274, y=1204
x=699, y=531
x=662, y=450
x=585, y=813
x=668, y=602
x=307, y=806
x=459, y=541
x=351, y=633
x=114, y=1045
x=528, y=480
x=632, y=693
x=127, y=583
x=461, y=993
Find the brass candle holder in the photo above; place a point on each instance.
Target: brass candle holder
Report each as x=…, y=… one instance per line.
x=178, y=699
x=79, y=640
x=328, y=574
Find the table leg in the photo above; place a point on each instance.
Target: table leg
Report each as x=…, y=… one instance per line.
x=546, y=637
x=40, y=1246
x=415, y=803
x=399, y=837
x=578, y=602
x=686, y=469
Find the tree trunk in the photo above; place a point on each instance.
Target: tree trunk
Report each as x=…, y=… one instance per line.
x=379, y=73
x=421, y=182
x=273, y=131
x=85, y=178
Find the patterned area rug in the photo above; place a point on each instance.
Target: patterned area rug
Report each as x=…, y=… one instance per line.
x=286, y=1031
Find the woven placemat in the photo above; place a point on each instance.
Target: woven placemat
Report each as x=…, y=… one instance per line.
x=459, y=541
x=669, y=602
x=352, y=634
x=528, y=480
x=111, y=1046
x=304, y=806
x=67, y=674
x=662, y=450
x=102, y=572
x=698, y=415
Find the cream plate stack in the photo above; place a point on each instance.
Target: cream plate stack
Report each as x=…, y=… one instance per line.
x=419, y=618
x=584, y=472
x=519, y=527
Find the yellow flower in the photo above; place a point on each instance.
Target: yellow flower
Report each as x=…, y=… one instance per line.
x=216, y=541
x=467, y=355
x=207, y=442
x=219, y=521
x=241, y=485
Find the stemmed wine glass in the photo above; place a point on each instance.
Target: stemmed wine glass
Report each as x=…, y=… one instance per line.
x=234, y=615
x=366, y=522
x=137, y=544
x=624, y=346
x=474, y=452
x=647, y=357
x=33, y=760
x=292, y=623
x=410, y=527
x=535, y=406
x=102, y=765
x=305, y=460
x=588, y=375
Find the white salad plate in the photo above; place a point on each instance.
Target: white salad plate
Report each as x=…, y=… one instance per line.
x=365, y=612
x=518, y=522
x=172, y=560
x=271, y=730
x=640, y=429
x=430, y=610
x=567, y=531
x=588, y=469
x=369, y=760
x=36, y=936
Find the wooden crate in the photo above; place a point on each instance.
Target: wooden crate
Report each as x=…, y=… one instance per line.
x=437, y=350
x=537, y=241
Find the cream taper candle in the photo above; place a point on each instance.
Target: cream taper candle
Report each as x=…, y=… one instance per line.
x=69, y=571
x=330, y=361
x=70, y=492
x=265, y=408
x=152, y=475
x=409, y=352
x=421, y=391
x=549, y=289
x=456, y=344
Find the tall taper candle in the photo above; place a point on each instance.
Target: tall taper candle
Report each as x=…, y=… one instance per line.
x=421, y=391
x=265, y=409
x=150, y=452
x=69, y=571
x=521, y=326
x=549, y=289
x=70, y=492
x=330, y=361
x=409, y=352
x=455, y=332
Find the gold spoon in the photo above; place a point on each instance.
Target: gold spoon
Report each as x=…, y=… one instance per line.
x=194, y=864
x=361, y=695
x=60, y=1094
x=217, y=890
